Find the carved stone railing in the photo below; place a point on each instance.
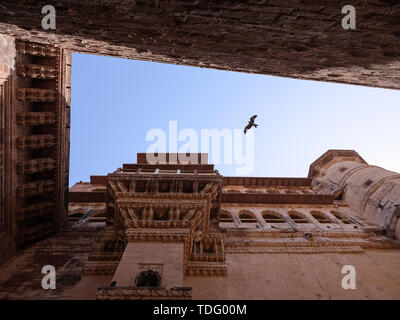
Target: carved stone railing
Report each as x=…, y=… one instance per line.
x=133, y=293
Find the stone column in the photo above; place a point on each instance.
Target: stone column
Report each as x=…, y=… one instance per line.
x=7, y=178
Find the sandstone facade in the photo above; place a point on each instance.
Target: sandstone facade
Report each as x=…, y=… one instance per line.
x=185, y=231
x=205, y=236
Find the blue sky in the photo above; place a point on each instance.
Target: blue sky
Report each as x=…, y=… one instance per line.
x=115, y=102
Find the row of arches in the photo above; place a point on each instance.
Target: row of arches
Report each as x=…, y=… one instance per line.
x=269, y=190
x=276, y=217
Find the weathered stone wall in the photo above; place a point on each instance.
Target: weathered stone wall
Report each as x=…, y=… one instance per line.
x=294, y=38
x=250, y=276
x=303, y=276
x=21, y=276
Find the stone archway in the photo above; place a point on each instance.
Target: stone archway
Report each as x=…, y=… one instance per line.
x=148, y=279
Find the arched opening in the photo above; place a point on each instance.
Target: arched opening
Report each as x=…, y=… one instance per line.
x=272, y=217
x=246, y=216
x=341, y=217
x=148, y=279
x=320, y=217
x=298, y=217
x=225, y=216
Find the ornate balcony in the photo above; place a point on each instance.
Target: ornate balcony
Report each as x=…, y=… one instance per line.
x=35, y=165
x=36, y=71
x=36, y=95
x=35, y=118
x=36, y=142
x=36, y=49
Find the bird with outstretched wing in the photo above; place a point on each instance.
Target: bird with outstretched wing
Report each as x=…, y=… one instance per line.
x=251, y=124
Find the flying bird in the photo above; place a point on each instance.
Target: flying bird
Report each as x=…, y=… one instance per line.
x=251, y=124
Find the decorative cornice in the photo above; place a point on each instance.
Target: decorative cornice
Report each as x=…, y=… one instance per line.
x=316, y=243
x=182, y=167
x=266, y=182
x=252, y=250
x=281, y=198
x=206, y=269
x=155, y=224
x=260, y=233
x=161, y=197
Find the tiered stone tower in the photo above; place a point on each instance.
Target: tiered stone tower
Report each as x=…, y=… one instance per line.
x=372, y=192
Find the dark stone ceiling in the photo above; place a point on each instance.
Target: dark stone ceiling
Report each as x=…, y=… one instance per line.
x=293, y=38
